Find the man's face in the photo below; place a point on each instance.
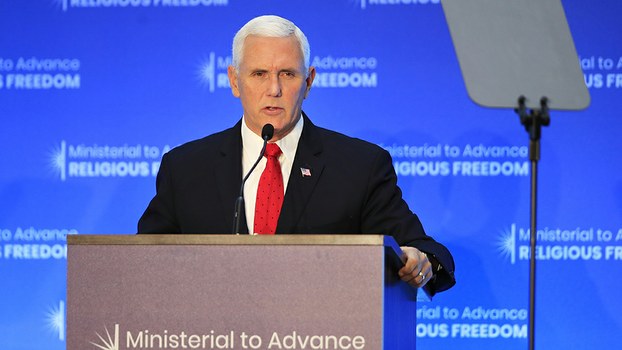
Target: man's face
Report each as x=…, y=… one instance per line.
x=271, y=83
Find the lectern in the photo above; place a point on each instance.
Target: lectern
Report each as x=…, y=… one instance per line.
x=237, y=292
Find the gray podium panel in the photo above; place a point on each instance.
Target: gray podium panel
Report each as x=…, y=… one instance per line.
x=235, y=292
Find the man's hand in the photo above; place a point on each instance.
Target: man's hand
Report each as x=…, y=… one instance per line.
x=417, y=270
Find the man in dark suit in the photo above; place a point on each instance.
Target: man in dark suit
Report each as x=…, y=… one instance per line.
x=327, y=182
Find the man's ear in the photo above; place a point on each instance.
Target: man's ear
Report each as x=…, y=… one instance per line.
x=233, y=81
x=309, y=80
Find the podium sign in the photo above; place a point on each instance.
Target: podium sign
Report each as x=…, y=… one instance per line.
x=237, y=292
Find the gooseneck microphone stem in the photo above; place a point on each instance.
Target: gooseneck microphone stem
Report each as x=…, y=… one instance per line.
x=266, y=134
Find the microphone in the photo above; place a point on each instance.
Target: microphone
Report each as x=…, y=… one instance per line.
x=266, y=134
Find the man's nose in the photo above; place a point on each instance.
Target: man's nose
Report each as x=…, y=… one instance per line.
x=275, y=85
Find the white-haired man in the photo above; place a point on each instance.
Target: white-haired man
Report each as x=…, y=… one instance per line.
x=315, y=181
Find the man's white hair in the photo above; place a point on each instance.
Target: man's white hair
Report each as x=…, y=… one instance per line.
x=272, y=27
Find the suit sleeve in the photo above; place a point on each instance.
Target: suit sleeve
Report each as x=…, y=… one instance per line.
x=386, y=212
x=159, y=217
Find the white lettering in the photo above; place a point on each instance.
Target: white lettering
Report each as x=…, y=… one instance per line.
x=480, y=151
x=47, y=64
x=558, y=235
x=108, y=169
x=613, y=252
x=479, y=313
x=104, y=152
x=6, y=64
x=614, y=81
x=593, y=80
x=462, y=330
x=330, y=62
x=559, y=252
x=32, y=234
x=42, y=81
x=407, y=151
x=434, y=330
x=35, y=251
x=422, y=168
x=343, y=80
x=477, y=168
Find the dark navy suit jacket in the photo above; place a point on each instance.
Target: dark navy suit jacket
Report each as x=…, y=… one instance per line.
x=352, y=190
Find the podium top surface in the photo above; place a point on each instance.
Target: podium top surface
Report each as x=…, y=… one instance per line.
x=209, y=239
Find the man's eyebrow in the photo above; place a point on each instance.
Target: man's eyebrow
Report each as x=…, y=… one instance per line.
x=291, y=69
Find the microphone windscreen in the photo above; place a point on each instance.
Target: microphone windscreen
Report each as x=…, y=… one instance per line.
x=267, y=132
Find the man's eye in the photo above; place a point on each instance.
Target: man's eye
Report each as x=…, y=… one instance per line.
x=259, y=74
x=288, y=74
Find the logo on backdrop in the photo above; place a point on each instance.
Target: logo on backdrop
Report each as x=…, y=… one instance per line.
x=55, y=320
x=365, y=3
x=34, y=243
x=37, y=73
x=450, y=160
x=602, y=72
x=91, y=161
x=332, y=72
x=71, y=4
x=561, y=244
x=213, y=72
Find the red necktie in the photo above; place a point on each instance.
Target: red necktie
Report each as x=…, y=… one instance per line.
x=269, y=193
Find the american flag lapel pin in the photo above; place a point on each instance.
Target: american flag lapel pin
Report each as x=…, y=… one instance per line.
x=306, y=172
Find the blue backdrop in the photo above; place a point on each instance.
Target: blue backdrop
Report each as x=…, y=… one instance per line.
x=93, y=92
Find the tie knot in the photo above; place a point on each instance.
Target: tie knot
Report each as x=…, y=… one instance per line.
x=272, y=150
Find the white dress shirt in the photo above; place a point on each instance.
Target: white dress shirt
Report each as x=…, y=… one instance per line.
x=251, y=146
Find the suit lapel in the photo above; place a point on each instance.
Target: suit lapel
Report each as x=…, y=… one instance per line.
x=301, y=186
x=229, y=176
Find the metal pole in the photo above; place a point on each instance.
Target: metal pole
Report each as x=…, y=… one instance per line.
x=534, y=151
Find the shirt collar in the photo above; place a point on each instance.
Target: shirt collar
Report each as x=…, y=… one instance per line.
x=252, y=143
